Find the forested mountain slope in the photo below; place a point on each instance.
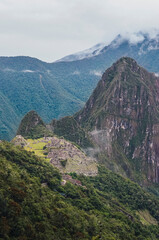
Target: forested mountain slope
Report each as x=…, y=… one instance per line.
x=34, y=204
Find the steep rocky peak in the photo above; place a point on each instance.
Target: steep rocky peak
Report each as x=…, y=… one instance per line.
x=125, y=66
x=125, y=89
x=122, y=116
x=127, y=62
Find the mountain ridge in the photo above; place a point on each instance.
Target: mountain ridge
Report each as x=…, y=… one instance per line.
x=120, y=122
x=62, y=88
x=145, y=40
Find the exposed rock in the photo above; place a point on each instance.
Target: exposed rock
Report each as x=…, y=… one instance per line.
x=122, y=116
x=62, y=154
x=19, y=140
x=67, y=178
x=68, y=158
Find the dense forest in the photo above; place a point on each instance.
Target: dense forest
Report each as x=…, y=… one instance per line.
x=35, y=205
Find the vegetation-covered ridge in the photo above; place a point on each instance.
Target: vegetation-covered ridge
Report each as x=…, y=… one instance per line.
x=34, y=204
x=32, y=126
x=59, y=89
x=70, y=129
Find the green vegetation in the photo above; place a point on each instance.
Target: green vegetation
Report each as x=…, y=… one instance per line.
x=36, y=146
x=33, y=127
x=146, y=218
x=68, y=128
x=34, y=204
x=58, y=89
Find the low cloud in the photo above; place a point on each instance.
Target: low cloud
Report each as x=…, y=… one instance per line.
x=156, y=74
x=50, y=30
x=91, y=152
x=76, y=73
x=96, y=73
x=28, y=71
x=8, y=70
x=135, y=38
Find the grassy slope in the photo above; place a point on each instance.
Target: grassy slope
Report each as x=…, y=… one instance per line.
x=37, y=146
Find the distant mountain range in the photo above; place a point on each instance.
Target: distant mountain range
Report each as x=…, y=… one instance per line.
x=137, y=44
x=61, y=88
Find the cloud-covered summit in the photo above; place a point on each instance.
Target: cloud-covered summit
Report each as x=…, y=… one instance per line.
x=148, y=41
x=50, y=29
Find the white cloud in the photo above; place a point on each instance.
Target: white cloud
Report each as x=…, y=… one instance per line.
x=135, y=38
x=76, y=73
x=8, y=70
x=96, y=73
x=156, y=74
x=51, y=29
x=28, y=71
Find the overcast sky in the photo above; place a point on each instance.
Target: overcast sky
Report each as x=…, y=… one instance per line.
x=51, y=29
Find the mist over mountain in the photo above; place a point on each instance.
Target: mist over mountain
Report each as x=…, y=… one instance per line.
x=61, y=88
x=140, y=42
x=79, y=120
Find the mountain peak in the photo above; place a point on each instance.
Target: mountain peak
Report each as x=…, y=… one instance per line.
x=88, y=53
x=32, y=126
x=126, y=59
x=126, y=62
x=123, y=113
x=147, y=42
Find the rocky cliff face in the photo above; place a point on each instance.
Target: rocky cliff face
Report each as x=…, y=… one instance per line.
x=122, y=117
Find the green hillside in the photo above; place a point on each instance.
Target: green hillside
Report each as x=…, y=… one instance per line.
x=34, y=204
x=32, y=126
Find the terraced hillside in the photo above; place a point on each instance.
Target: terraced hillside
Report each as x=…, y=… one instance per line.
x=61, y=154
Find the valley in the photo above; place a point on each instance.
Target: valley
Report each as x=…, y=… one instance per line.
x=98, y=165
